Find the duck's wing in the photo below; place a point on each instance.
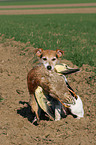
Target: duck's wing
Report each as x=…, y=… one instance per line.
x=43, y=102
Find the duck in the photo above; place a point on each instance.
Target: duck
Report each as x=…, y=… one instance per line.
x=53, y=106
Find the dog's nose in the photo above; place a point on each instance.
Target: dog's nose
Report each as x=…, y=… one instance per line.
x=49, y=67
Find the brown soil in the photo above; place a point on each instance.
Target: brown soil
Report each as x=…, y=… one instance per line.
x=48, y=11
x=16, y=126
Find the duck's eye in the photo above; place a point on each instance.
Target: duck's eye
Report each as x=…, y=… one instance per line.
x=44, y=59
x=53, y=59
x=66, y=66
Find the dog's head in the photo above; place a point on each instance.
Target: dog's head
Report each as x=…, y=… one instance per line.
x=49, y=57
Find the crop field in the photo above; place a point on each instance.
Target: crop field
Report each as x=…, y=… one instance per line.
x=40, y=2
x=20, y=34
x=73, y=33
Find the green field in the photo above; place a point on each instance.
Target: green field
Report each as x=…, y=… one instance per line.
x=47, y=8
x=73, y=33
x=40, y=2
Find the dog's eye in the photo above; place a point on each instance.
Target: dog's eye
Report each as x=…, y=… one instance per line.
x=44, y=59
x=53, y=59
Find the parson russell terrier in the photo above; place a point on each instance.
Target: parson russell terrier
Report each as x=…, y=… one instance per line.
x=49, y=58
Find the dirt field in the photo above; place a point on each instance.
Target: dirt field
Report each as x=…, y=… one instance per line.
x=49, y=11
x=16, y=126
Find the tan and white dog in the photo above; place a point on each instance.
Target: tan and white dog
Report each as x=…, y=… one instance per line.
x=49, y=58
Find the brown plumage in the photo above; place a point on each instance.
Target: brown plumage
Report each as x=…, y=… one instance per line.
x=51, y=82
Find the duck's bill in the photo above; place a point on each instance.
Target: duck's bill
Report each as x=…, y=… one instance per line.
x=69, y=71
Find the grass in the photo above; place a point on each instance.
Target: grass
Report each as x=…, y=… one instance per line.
x=40, y=2
x=73, y=33
x=1, y=99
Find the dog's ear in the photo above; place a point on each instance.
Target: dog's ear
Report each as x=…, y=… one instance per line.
x=59, y=52
x=39, y=52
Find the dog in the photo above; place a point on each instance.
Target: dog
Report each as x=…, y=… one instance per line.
x=49, y=58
